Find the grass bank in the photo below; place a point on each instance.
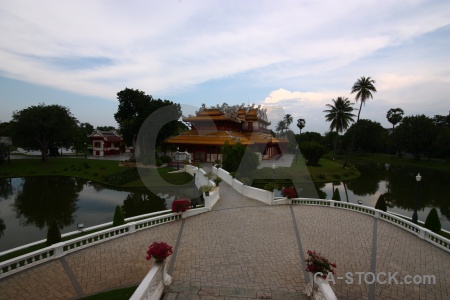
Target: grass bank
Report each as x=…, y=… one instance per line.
x=107, y=172
x=328, y=170
x=435, y=164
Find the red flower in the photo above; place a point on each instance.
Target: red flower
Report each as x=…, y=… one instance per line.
x=159, y=250
x=317, y=263
x=181, y=205
x=289, y=192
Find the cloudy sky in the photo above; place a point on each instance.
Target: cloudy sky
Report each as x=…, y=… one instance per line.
x=294, y=55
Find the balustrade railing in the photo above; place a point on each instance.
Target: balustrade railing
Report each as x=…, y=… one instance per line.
x=416, y=229
x=54, y=251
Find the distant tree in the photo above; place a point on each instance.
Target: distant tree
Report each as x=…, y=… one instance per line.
x=432, y=222
x=395, y=116
x=312, y=152
x=281, y=127
x=301, y=124
x=442, y=121
x=441, y=144
x=238, y=158
x=340, y=115
x=363, y=88
x=288, y=120
x=42, y=126
x=106, y=128
x=370, y=136
x=81, y=137
x=134, y=108
x=336, y=195
x=416, y=134
x=118, y=217
x=310, y=136
x=381, y=203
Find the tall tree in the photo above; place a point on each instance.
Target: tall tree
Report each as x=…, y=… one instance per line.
x=81, y=137
x=301, y=124
x=416, y=134
x=363, y=88
x=395, y=116
x=281, y=127
x=134, y=108
x=288, y=120
x=42, y=126
x=340, y=115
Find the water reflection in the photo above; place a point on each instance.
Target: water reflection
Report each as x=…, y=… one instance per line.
x=399, y=187
x=28, y=205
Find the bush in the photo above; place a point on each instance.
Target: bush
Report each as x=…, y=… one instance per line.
x=381, y=203
x=432, y=222
x=336, y=195
x=271, y=186
x=127, y=175
x=53, y=234
x=158, y=162
x=118, y=217
x=312, y=152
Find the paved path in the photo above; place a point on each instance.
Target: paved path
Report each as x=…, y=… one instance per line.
x=243, y=249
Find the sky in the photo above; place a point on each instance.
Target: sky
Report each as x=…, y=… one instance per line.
x=288, y=56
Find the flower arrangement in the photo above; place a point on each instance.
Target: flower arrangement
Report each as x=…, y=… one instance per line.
x=181, y=205
x=316, y=263
x=289, y=192
x=159, y=251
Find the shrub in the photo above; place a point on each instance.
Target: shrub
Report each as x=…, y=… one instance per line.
x=312, y=152
x=336, y=195
x=432, y=222
x=118, y=217
x=53, y=234
x=381, y=203
x=271, y=186
x=158, y=162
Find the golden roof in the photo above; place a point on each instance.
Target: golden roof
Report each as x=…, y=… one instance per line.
x=218, y=138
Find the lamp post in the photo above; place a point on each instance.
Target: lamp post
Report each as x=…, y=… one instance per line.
x=178, y=159
x=273, y=172
x=194, y=200
x=414, y=217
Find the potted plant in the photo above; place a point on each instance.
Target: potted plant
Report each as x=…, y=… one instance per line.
x=271, y=186
x=209, y=175
x=205, y=189
x=159, y=251
x=317, y=266
x=181, y=205
x=217, y=180
x=289, y=192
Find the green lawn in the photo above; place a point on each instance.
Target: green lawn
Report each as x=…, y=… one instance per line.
x=118, y=294
x=327, y=171
x=103, y=171
x=436, y=164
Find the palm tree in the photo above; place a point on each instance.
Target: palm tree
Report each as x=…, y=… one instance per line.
x=281, y=126
x=288, y=120
x=340, y=115
x=394, y=116
x=301, y=124
x=363, y=88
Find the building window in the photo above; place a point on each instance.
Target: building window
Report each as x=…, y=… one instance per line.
x=97, y=144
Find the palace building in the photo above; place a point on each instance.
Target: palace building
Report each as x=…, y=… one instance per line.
x=211, y=127
x=105, y=143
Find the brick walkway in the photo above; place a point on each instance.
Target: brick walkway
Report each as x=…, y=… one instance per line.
x=243, y=249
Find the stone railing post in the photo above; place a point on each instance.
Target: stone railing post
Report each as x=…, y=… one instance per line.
x=131, y=227
x=59, y=249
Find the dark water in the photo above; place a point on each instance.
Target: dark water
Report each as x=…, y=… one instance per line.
x=27, y=205
x=400, y=189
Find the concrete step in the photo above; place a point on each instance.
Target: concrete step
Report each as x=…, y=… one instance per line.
x=182, y=292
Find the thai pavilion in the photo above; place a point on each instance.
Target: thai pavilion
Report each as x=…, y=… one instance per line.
x=211, y=127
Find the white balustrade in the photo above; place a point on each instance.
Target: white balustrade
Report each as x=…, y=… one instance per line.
x=152, y=287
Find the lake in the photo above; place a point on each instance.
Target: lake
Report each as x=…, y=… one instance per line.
x=28, y=204
x=400, y=188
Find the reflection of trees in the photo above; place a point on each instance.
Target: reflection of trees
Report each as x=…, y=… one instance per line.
x=6, y=189
x=43, y=199
x=433, y=190
x=367, y=183
x=138, y=203
x=2, y=227
x=319, y=186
